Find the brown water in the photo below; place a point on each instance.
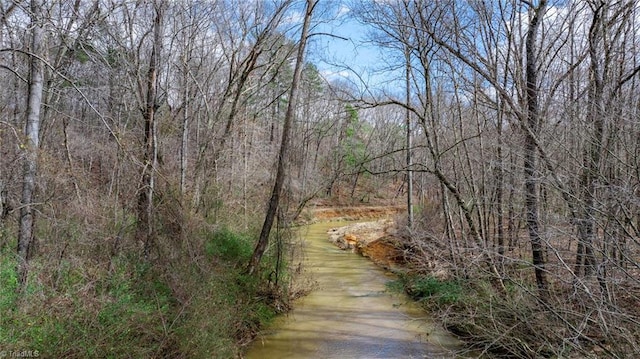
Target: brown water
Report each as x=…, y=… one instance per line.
x=350, y=314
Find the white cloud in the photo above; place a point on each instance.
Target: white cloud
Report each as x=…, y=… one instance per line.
x=343, y=10
x=332, y=75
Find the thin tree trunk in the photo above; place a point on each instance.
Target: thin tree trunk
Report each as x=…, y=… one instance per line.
x=150, y=155
x=530, y=167
x=409, y=142
x=65, y=134
x=499, y=178
x=32, y=131
x=184, y=146
x=4, y=204
x=355, y=182
x=272, y=209
x=585, y=256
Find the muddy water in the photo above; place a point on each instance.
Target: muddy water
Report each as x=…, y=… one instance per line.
x=350, y=314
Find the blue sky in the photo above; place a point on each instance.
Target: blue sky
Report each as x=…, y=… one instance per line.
x=347, y=55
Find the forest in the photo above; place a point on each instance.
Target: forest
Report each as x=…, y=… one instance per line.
x=155, y=156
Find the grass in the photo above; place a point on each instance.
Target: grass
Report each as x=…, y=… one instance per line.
x=78, y=307
x=118, y=315
x=229, y=246
x=428, y=289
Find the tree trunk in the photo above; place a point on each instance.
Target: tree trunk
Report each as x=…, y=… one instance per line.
x=184, y=143
x=150, y=155
x=407, y=55
x=4, y=203
x=530, y=167
x=32, y=131
x=500, y=186
x=585, y=256
x=272, y=209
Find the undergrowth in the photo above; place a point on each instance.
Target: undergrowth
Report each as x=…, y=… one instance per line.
x=198, y=306
x=501, y=322
x=496, y=325
x=428, y=290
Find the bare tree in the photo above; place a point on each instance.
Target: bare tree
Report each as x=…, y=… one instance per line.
x=32, y=139
x=530, y=148
x=150, y=152
x=244, y=55
x=409, y=139
x=272, y=208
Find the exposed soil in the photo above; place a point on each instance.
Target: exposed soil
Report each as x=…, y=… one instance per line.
x=352, y=213
x=375, y=240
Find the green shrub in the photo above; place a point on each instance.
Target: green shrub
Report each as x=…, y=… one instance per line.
x=444, y=292
x=229, y=246
x=427, y=288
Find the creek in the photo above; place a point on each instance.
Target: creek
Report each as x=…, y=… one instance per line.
x=350, y=313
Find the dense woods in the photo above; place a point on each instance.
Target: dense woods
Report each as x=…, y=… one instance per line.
x=525, y=118
x=141, y=141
